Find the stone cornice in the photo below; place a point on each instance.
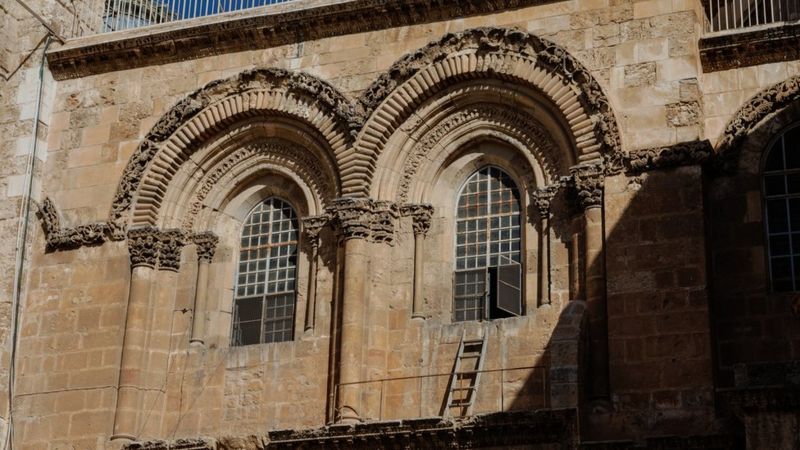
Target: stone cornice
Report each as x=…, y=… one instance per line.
x=251, y=30
x=749, y=48
x=683, y=154
x=523, y=428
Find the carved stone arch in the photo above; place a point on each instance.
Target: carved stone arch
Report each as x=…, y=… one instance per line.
x=202, y=114
x=473, y=111
x=780, y=102
x=513, y=56
x=244, y=147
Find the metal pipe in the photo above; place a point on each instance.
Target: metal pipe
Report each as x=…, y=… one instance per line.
x=22, y=237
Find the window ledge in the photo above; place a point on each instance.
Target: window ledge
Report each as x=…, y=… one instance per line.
x=750, y=47
x=253, y=29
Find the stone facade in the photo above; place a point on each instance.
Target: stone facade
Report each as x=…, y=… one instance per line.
x=636, y=146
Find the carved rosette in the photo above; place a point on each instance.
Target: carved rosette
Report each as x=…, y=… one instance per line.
x=543, y=197
x=364, y=218
x=172, y=242
x=206, y=243
x=589, y=180
x=143, y=247
x=312, y=227
x=420, y=214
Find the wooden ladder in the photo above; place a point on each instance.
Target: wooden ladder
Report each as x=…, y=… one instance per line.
x=464, y=380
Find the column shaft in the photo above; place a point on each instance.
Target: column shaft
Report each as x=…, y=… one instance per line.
x=356, y=267
x=200, y=304
x=134, y=354
x=595, y=286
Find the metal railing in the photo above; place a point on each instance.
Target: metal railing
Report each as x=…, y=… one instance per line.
x=507, y=389
x=737, y=14
x=120, y=15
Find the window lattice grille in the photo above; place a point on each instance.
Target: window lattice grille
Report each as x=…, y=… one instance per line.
x=264, y=299
x=487, y=235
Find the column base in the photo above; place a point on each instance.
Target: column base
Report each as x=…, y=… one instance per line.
x=122, y=436
x=348, y=415
x=197, y=342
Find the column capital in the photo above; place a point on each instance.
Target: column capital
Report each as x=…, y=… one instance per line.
x=420, y=214
x=363, y=218
x=143, y=247
x=206, y=243
x=543, y=198
x=172, y=243
x=313, y=225
x=589, y=180
x=151, y=247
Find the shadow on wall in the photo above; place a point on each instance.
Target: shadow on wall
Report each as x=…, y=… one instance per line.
x=659, y=343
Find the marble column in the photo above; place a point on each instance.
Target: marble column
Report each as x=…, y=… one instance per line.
x=312, y=226
x=353, y=218
x=206, y=244
x=543, y=199
x=143, y=246
x=589, y=182
x=421, y=222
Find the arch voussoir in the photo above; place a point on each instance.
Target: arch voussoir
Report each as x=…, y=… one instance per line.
x=510, y=55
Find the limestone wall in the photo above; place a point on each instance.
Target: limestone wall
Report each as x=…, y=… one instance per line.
x=644, y=56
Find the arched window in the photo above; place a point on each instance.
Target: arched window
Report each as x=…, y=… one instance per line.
x=264, y=297
x=488, y=275
x=782, y=202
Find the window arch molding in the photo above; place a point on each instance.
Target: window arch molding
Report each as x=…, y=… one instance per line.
x=440, y=244
x=232, y=204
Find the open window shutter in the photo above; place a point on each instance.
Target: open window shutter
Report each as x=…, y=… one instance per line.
x=509, y=289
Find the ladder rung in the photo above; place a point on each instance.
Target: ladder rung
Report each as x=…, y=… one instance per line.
x=468, y=388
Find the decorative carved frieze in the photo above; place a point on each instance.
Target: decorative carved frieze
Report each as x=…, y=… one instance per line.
x=206, y=243
x=420, y=214
x=543, y=198
x=364, y=218
x=588, y=181
x=683, y=154
x=58, y=238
